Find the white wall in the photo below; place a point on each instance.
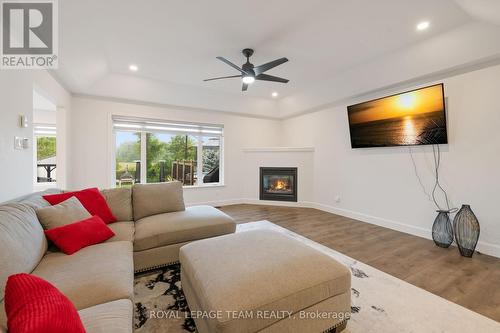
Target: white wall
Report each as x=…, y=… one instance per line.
x=16, y=166
x=92, y=144
x=16, y=98
x=44, y=116
x=380, y=186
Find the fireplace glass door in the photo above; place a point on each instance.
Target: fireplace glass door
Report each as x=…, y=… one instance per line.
x=278, y=184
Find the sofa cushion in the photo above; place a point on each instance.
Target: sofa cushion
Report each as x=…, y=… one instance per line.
x=120, y=202
x=124, y=231
x=113, y=317
x=258, y=270
x=34, y=305
x=96, y=274
x=3, y=319
x=22, y=242
x=73, y=237
x=194, y=223
x=66, y=212
x=153, y=199
x=36, y=199
x=90, y=198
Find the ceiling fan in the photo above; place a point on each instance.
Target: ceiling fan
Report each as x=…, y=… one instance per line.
x=250, y=73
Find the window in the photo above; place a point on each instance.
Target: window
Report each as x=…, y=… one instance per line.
x=211, y=159
x=45, y=144
x=128, y=158
x=153, y=151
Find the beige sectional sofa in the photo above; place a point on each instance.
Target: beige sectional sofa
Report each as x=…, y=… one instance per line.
x=99, y=279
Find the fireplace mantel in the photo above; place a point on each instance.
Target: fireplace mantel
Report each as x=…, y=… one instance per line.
x=279, y=149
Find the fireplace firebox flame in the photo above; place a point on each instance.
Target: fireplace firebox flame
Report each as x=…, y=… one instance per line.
x=280, y=185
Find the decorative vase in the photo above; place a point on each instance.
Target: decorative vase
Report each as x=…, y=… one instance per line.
x=442, y=231
x=467, y=230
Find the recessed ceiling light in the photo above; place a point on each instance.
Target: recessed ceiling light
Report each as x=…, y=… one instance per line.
x=133, y=68
x=423, y=25
x=274, y=94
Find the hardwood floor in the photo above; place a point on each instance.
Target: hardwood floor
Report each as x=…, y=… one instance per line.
x=471, y=282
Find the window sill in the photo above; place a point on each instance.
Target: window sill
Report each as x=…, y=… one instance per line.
x=203, y=186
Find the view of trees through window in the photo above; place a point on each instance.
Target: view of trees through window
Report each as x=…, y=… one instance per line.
x=128, y=157
x=45, y=147
x=46, y=158
x=168, y=157
x=165, y=151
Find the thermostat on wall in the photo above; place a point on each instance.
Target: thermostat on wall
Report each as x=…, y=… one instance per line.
x=21, y=143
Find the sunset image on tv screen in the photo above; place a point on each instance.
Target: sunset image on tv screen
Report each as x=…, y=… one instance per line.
x=413, y=118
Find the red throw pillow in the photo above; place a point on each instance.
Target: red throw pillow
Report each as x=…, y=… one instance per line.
x=91, y=199
x=75, y=236
x=34, y=305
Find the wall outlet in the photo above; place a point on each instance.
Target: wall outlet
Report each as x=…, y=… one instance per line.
x=21, y=143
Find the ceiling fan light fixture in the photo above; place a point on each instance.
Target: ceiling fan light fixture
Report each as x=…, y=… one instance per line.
x=250, y=73
x=248, y=79
x=423, y=25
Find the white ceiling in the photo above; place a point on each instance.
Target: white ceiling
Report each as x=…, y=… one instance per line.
x=487, y=10
x=175, y=43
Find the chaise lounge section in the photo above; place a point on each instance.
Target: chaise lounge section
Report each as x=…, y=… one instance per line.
x=154, y=217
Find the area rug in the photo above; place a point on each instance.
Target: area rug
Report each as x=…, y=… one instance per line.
x=381, y=303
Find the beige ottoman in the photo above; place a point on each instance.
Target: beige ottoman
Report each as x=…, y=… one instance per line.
x=263, y=281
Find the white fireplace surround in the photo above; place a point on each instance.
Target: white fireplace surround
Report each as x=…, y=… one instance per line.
x=301, y=158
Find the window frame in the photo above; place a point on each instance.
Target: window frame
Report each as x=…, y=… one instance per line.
x=143, y=142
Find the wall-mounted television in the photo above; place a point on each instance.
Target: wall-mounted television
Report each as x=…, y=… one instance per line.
x=416, y=117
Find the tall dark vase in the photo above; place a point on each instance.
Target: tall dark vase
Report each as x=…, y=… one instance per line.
x=442, y=231
x=467, y=230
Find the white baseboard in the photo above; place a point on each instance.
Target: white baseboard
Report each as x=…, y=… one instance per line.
x=217, y=203
x=406, y=228
x=488, y=248
x=482, y=247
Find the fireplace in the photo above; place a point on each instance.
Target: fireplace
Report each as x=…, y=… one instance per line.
x=278, y=184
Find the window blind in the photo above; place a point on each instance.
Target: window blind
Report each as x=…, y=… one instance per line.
x=44, y=129
x=151, y=125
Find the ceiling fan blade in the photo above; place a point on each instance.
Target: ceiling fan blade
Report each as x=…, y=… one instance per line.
x=265, y=77
x=231, y=64
x=222, y=77
x=244, y=87
x=265, y=67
